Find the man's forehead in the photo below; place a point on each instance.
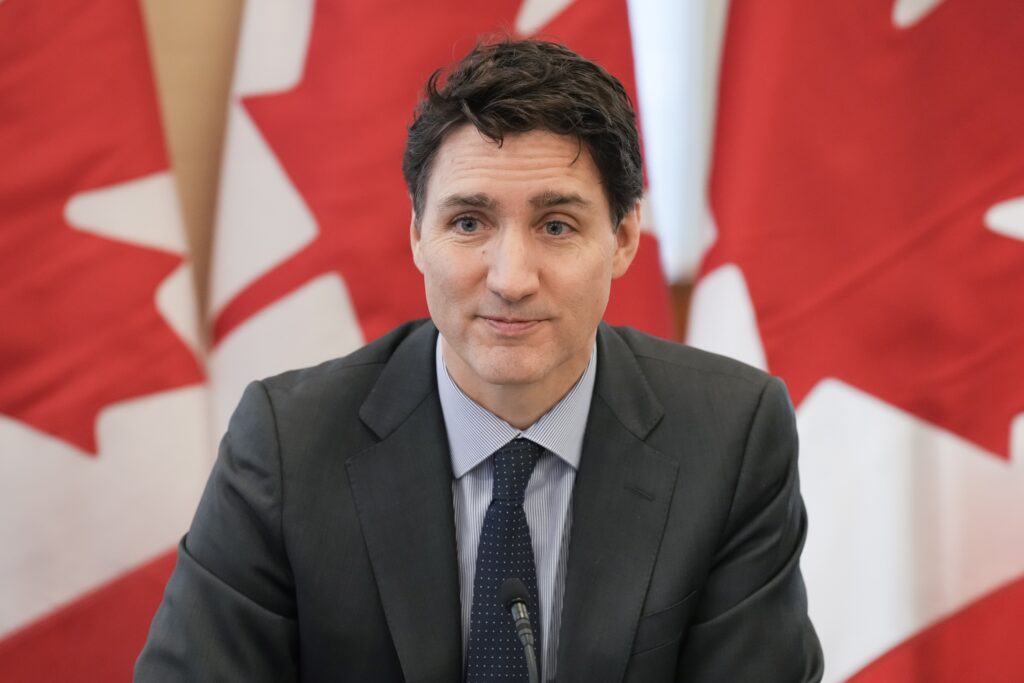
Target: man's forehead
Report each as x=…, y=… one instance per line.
x=539, y=167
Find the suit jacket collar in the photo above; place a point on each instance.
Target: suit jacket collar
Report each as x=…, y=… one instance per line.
x=621, y=500
x=622, y=385
x=402, y=487
x=405, y=382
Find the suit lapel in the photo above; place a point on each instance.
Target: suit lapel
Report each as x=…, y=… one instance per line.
x=402, y=487
x=620, y=505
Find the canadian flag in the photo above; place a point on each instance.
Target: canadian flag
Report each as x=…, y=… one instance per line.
x=868, y=199
x=103, y=439
x=311, y=254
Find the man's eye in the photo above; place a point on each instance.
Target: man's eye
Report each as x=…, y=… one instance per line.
x=556, y=228
x=467, y=224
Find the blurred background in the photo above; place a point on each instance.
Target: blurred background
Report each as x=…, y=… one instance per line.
x=194, y=195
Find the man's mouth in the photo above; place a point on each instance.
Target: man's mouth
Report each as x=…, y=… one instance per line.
x=511, y=326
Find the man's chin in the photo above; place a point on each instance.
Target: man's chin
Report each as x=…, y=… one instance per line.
x=516, y=377
x=511, y=366
x=511, y=369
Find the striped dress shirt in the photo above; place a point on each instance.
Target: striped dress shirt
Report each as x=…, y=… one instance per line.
x=474, y=433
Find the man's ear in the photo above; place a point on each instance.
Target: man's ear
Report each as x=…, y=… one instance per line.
x=627, y=240
x=414, y=240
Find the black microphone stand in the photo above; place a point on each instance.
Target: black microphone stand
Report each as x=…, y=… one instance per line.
x=514, y=596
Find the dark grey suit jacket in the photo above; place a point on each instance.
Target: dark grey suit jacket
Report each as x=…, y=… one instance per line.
x=324, y=545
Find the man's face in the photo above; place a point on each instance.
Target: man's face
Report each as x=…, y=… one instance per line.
x=517, y=250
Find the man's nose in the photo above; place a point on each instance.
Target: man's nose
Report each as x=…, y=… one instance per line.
x=512, y=270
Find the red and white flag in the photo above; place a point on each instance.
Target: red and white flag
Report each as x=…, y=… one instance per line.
x=311, y=253
x=103, y=440
x=868, y=199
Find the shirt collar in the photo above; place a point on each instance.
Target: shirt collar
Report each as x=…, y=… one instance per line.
x=474, y=433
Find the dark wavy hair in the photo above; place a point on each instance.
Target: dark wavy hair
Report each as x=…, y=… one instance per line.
x=524, y=85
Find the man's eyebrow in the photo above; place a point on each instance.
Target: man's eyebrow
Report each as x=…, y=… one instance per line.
x=475, y=201
x=549, y=200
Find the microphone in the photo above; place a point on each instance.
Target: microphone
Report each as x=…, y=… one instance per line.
x=513, y=596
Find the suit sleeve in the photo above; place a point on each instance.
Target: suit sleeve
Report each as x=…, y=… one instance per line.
x=228, y=612
x=752, y=623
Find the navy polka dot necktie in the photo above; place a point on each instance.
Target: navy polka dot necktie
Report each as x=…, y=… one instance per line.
x=505, y=551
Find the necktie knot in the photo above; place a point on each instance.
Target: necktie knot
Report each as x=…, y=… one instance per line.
x=513, y=465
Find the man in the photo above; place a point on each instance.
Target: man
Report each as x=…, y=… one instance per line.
x=362, y=515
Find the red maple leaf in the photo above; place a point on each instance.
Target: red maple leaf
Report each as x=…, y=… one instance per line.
x=340, y=133
x=77, y=112
x=853, y=167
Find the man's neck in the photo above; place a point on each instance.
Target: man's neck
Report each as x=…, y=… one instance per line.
x=520, y=405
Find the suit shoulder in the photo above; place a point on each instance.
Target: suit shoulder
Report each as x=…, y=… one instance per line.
x=680, y=360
